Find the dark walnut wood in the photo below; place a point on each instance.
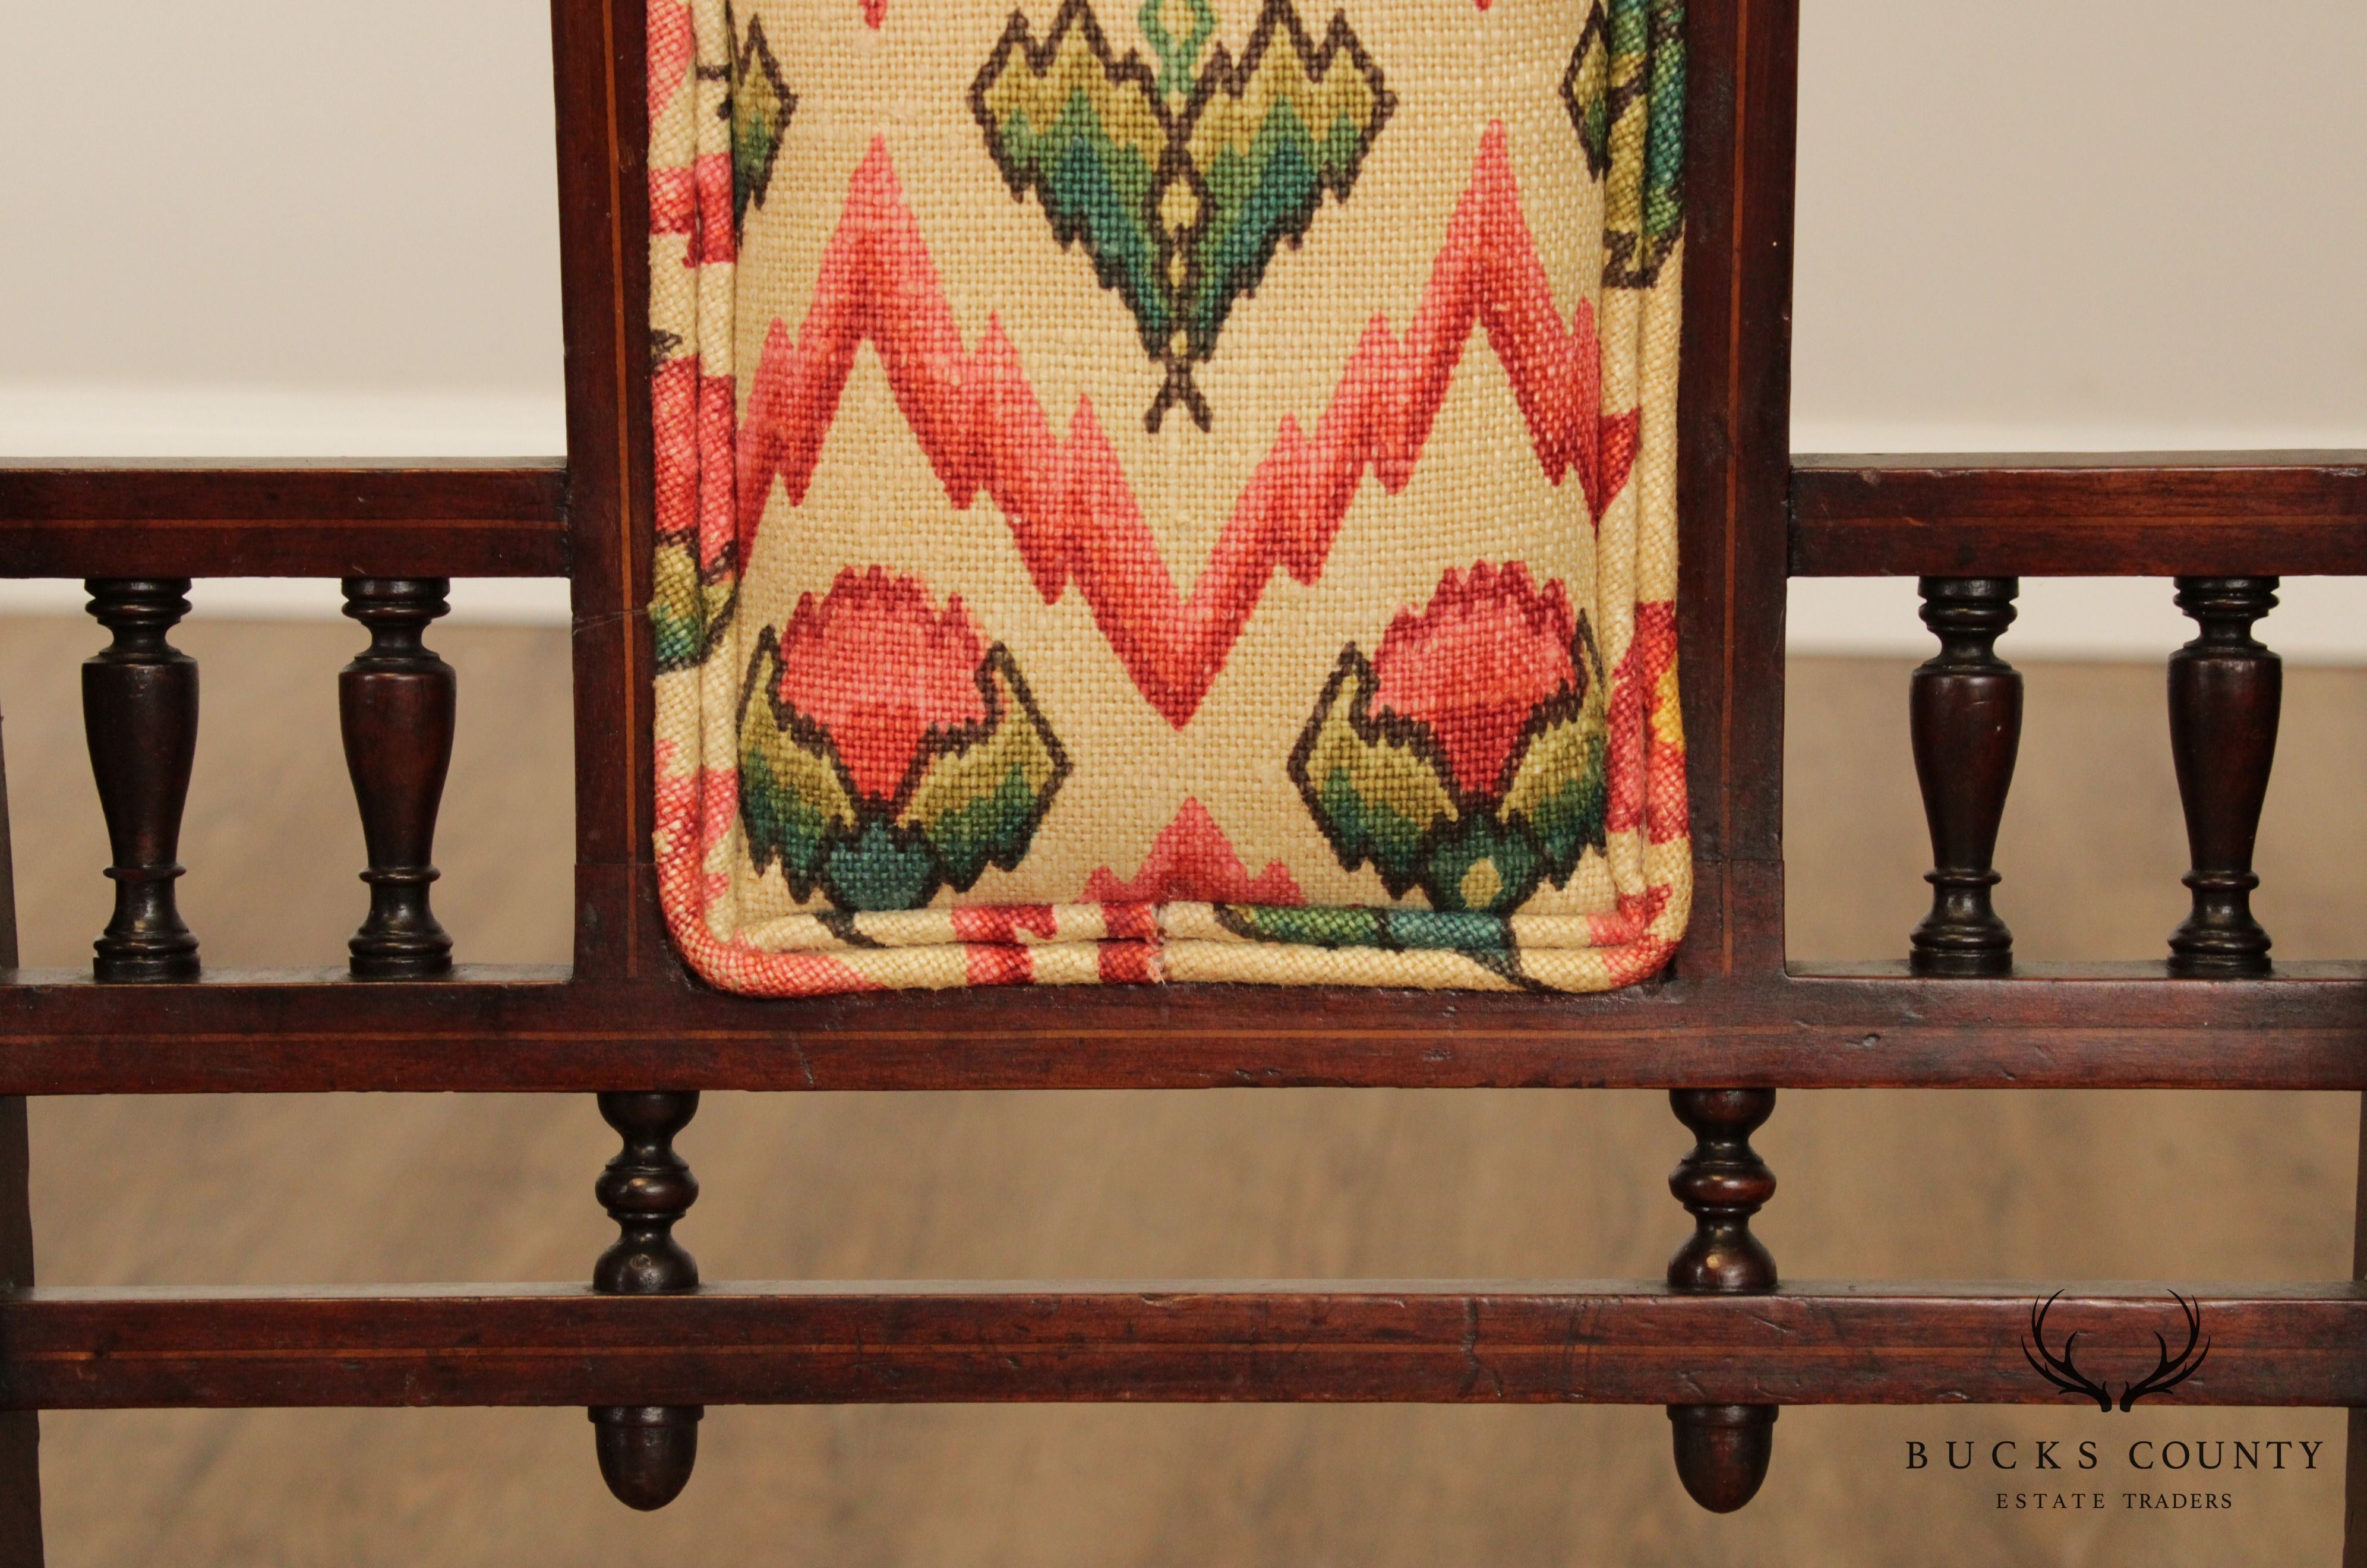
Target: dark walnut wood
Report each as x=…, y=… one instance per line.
x=601, y=50
x=2354, y=1469
x=140, y=716
x=627, y=1018
x=396, y=702
x=1734, y=444
x=1428, y=1341
x=1722, y=1449
x=1966, y=717
x=2226, y=693
x=2066, y=515
x=647, y=1450
x=433, y=517
x=1859, y=1025
x=20, y=1430
x=646, y=1190
x=1722, y=1183
x=20, y=1427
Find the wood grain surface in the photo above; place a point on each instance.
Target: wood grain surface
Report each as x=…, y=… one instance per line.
x=2135, y=514
x=266, y=1191
x=447, y=519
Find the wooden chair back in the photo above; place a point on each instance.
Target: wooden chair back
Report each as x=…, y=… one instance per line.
x=644, y=1344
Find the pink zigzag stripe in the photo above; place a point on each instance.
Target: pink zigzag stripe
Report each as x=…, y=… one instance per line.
x=1071, y=509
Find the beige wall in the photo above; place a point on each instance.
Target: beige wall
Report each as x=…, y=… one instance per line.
x=2086, y=222
x=2098, y=223
x=281, y=227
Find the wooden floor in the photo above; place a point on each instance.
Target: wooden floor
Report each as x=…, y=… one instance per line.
x=2044, y=1187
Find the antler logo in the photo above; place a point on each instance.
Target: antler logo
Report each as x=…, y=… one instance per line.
x=2064, y=1374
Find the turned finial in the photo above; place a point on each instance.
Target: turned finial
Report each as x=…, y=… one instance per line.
x=1722, y=1449
x=646, y=1452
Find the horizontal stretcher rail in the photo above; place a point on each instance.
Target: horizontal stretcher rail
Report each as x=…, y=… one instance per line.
x=424, y=519
x=1625, y=1342
x=1868, y=1026
x=2142, y=515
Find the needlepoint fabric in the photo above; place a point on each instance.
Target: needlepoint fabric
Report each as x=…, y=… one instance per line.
x=1169, y=491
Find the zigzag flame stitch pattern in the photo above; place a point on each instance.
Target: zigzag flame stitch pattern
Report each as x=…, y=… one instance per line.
x=1072, y=511
x=874, y=11
x=899, y=777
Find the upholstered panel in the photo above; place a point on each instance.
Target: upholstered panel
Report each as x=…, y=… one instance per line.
x=1174, y=492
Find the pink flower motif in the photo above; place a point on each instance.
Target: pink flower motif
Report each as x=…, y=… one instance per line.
x=881, y=670
x=1489, y=650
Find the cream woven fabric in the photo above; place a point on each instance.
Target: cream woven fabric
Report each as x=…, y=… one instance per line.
x=1180, y=491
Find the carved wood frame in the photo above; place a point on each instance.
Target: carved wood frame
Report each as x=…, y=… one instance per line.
x=1733, y=1019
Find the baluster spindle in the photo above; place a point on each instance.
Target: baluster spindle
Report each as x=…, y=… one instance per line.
x=139, y=718
x=1966, y=721
x=647, y=1451
x=2226, y=693
x=1722, y=1449
x=396, y=702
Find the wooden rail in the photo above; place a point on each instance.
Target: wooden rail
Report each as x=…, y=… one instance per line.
x=1624, y=1342
x=1733, y=1023
x=427, y=518
x=1867, y=1026
x=2164, y=514
x=2074, y=515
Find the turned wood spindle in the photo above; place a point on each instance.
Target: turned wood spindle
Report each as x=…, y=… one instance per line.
x=1965, y=710
x=2226, y=692
x=646, y=1452
x=396, y=703
x=139, y=717
x=1722, y=1449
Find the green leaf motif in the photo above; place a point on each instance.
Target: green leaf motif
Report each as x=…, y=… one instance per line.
x=1626, y=94
x=689, y=611
x=1377, y=798
x=879, y=872
x=1561, y=789
x=795, y=806
x=1562, y=793
x=1182, y=184
x=1377, y=786
x=1392, y=930
x=761, y=106
x=1312, y=927
x=981, y=806
x=1087, y=134
x=1482, y=866
x=1586, y=92
x=1433, y=930
x=1269, y=139
x=976, y=802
